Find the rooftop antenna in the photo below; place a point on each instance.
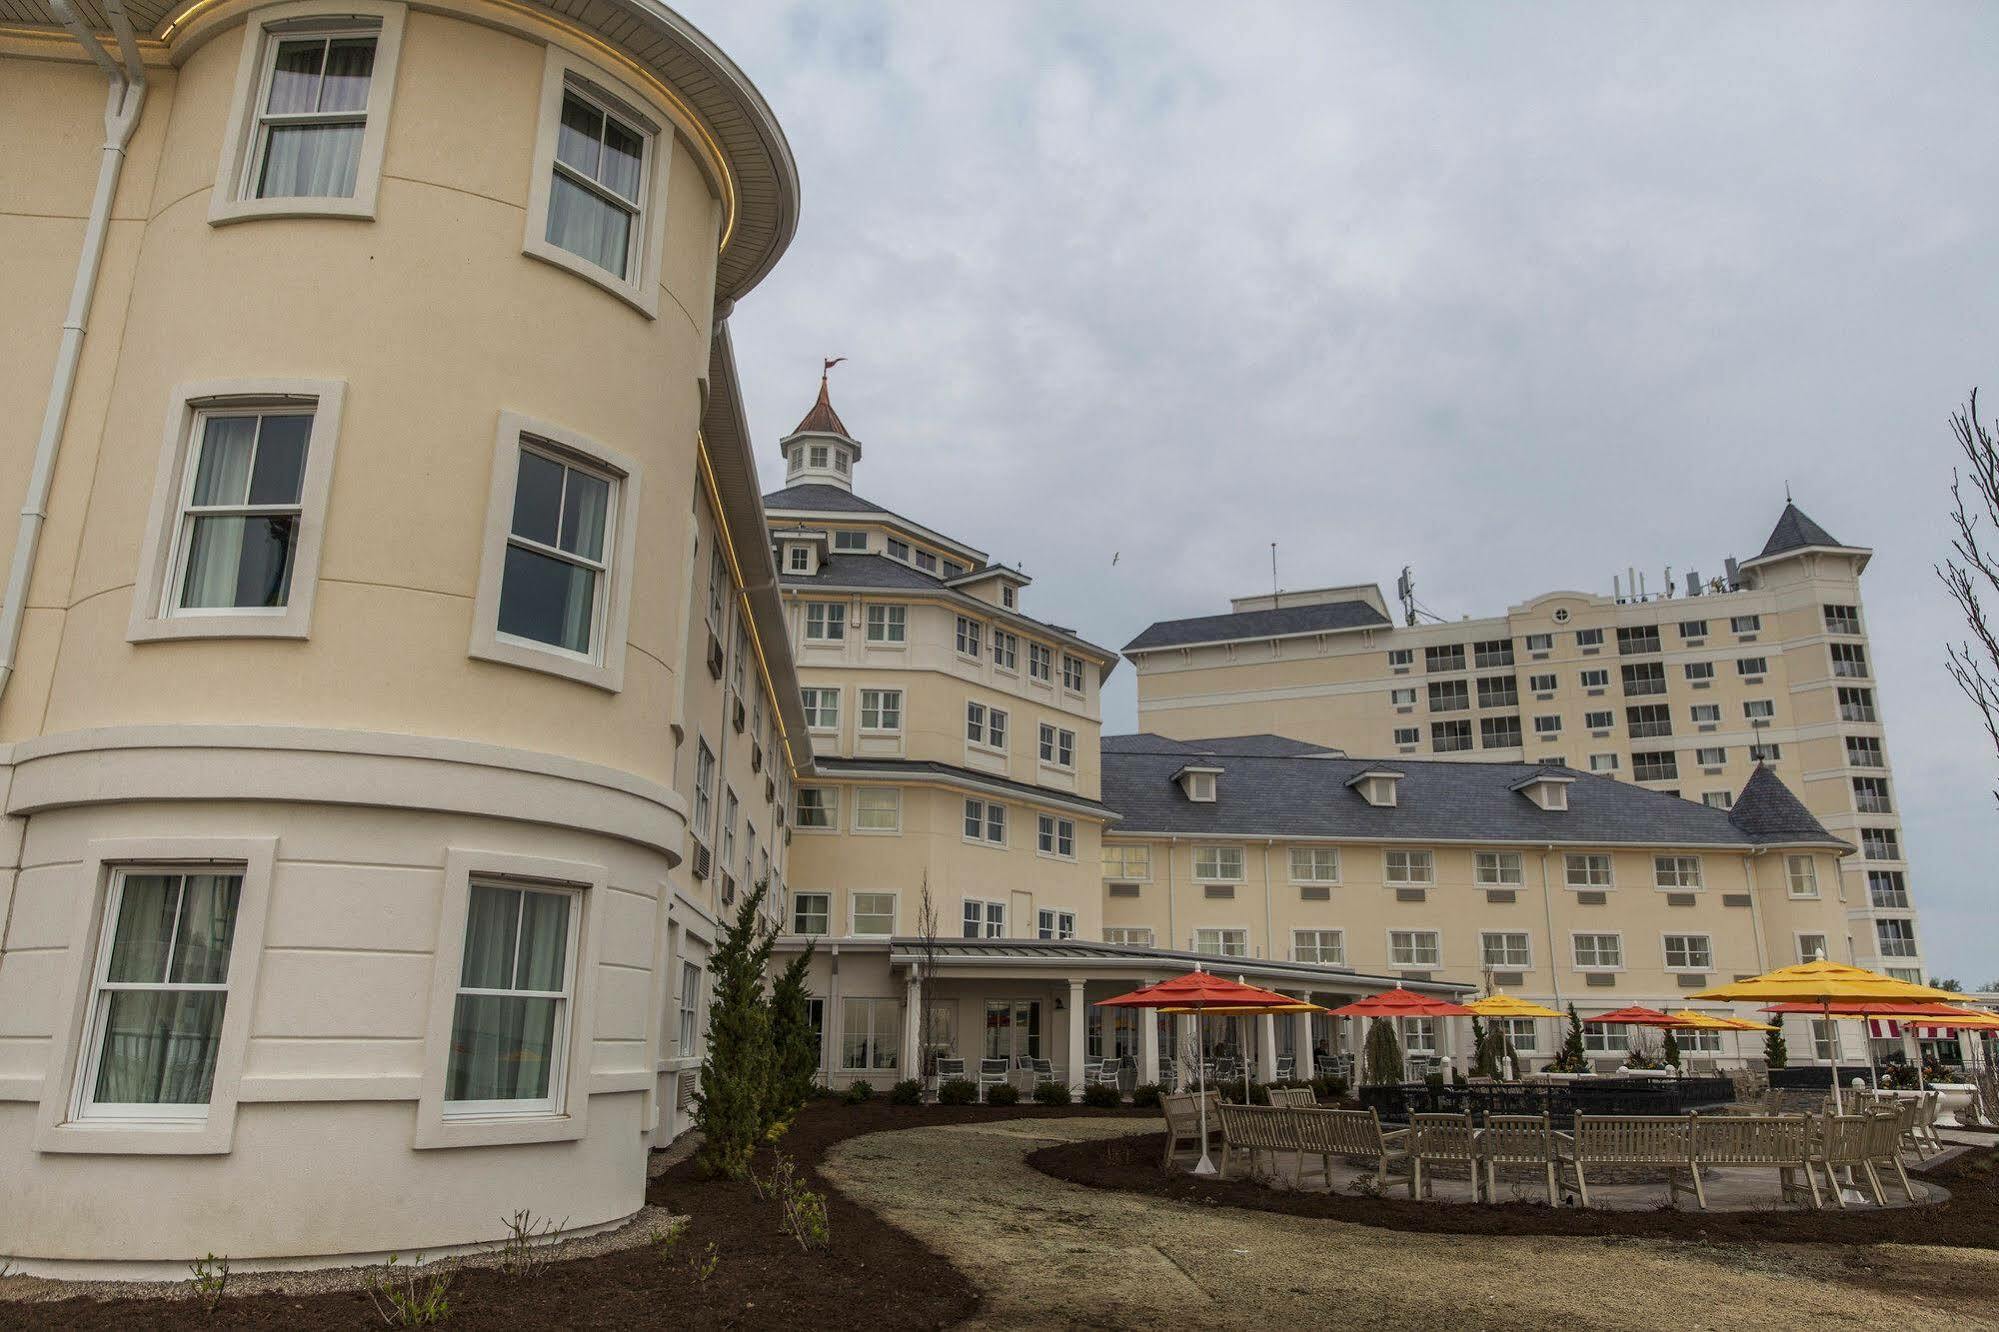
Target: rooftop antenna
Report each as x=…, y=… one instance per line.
x=1405, y=588
x=1275, y=593
x=1787, y=492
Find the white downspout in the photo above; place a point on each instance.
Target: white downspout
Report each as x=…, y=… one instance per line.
x=125, y=98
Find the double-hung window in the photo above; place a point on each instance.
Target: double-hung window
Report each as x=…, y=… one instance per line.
x=985, y=726
x=1222, y=941
x=871, y=1033
x=811, y=913
x=1403, y=868
x=1588, y=870
x=704, y=787
x=1055, y=924
x=552, y=587
x=1218, y=863
x=510, y=1024
x=690, y=1008
x=597, y=189
x=888, y=624
x=969, y=633
x=1057, y=837
x=1072, y=673
x=1689, y=952
x=1006, y=650
x=881, y=709
x=985, y=821
x=1040, y=663
x=1315, y=864
x=984, y=920
x=1127, y=862
x=160, y=986
x=822, y=708
x=1599, y=952
x=1323, y=946
x=873, y=913
x=1058, y=746
x=1505, y=950
x=1676, y=871
x=825, y=622
x=240, y=513
x=818, y=807
x=878, y=809
x=1497, y=869
x=1414, y=948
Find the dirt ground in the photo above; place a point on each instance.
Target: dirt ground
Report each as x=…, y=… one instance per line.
x=1050, y=1254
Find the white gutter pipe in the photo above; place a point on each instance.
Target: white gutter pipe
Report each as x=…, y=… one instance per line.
x=124, y=100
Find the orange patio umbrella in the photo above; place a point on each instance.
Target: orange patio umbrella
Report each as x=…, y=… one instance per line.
x=1637, y=1015
x=1401, y=1003
x=1199, y=993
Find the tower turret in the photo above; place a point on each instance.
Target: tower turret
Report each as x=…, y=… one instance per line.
x=819, y=449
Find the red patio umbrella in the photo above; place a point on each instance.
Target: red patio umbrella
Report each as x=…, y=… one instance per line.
x=1401, y=1003
x=1637, y=1015
x=1200, y=991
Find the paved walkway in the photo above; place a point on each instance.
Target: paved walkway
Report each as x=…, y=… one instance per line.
x=1054, y=1255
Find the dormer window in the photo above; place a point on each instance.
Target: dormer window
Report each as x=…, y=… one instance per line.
x=1008, y=597
x=798, y=559
x=1547, y=789
x=1377, y=786
x=1199, y=784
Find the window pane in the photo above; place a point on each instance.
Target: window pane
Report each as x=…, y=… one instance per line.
x=547, y=600
x=145, y=928
x=280, y=471
x=240, y=562
x=537, y=498
x=207, y=924
x=578, y=136
x=222, y=475
x=502, y=1048
x=585, y=224
x=584, y=505
x=544, y=942
x=623, y=152
x=350, y=61
x=159, y=1047
x=295, y=76
x=492, y=916
x=311, y=161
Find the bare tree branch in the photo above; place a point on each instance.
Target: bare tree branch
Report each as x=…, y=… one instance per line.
x=1973, y=663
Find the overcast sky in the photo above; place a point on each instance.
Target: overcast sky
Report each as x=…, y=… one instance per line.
x=1517, y=296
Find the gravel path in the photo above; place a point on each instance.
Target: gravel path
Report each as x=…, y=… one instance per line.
x=1056, y=1255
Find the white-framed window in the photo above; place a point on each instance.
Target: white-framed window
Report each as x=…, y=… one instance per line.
x=1009, y=596
x=985, y=821
x=159, y=991
x=1589, y=638
x=726, y=852
x=881, y=710
x=1403, y=657
x=1006, y=650
x=825, y=622
x=1802, y=875
x=1745, y=624
x=984, y=920
x=1127, y=862
x=1408, y=868
x=1505, y=950
x=1600, y=721
x=1218, y=864
x=1601, y=1039
x=1676, y=871
x=1700, y=670
x=811, y=913
x=822, y=707
x=314, y=85
x=1718, y=799
x=1040, y=663
x=1402, y=698
x=888, y=624
x=985, y=726
x=704, y=787
x=1519, y=1033
x=1542, y=684
x=1706, y=714
x=1598, y=952
x=1603, y=762
x=1548, y=724
x=878, y=809
x=555, y=586
x=1222, y=940
x=1408, y=735
x=690, y=1009
x=1540, y=642
x=1058, y=746
x=871, y=914
x=1587, y=869
x=1414, y=948
x=232, y=542
x=596, y=194
x=1689, y=952
x=510, y=1025
x=971, y=635
x=1072, y=673
x=1693, y=628
x=1323, y=946
x=1056, y=836
x=818, y=807
x=870, y=1034
x=1759, y=709
x=1497, y=869
x=1752, y=666
x=1597, y=678
x=1896, y=937
x=1811, y=947
x=1130, y=936
x=924, y=559
x=1315, y=864
x=847, y=538
x=1419, y=1035
x=798, y=558
x=1055, y=924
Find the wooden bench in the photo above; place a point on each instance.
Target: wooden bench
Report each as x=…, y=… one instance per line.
x=1884, y=1149
x=1521, y=1140
x=1183, y=1121
x=1775, y=1142
x=1345, y=1133
x=1635, y=1140
x=1294, y=1098
x=1256, y=1128
x=1441, y=1140
x=1841, y=1143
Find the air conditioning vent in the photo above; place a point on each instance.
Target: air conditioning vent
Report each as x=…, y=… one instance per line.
x=1219, y=890
x=1592, y=899
x=1695, y=982
x=1315, y=893
x=1601, y=980
x=1410, y=894
x=1124, y=890
x=1679, y=899
x=714, y=655
x=728, y=889
x=1501, y=896
x=757, y=759
x=1509, y=979
x=1735, y=900
x=739, y=717
x=701, y=863
x=770, y=796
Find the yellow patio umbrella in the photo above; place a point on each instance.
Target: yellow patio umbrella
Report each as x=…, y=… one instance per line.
x=1688, y=1020
x=1498, y=1005
x=1825, y=983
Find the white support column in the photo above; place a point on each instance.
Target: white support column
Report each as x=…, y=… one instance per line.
x=1148, y=1048
x=1078, y=1016
x=1185, y=1055
x=1266, y=1042
x=1304, y=1042
x=912, y=1029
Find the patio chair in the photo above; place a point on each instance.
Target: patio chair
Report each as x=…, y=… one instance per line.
x=1169, y=1073
x=1521, y=1140
x=1929, y=1105
x=992, y=1073
x=1635, y=1140
x=1295, y=1098
x=1884, y=1149
x=1441, y=1139
x=1841, y=1144
x=1287, y=1068
x=1348, y=1133
x=1250, y=1129
x=1043, y=1069
x=949, y=1070
x=1183, y=1121
x=1779, y=1142
x=1104, y=1074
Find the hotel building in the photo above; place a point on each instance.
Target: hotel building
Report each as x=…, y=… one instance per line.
x=390, y=622
x=1686, y=695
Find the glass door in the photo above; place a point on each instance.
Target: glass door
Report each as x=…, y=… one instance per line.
x=1013, y=1030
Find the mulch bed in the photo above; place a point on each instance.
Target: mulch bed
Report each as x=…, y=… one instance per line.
x=870, y=1271
x=1970, y=1219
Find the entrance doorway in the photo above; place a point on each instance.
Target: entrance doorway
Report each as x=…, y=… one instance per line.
x=1013, y=1030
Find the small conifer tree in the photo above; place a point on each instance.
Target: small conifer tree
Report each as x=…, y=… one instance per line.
x=1572, y=1059
x=796, y=1054
x=736, y=1068
x=1774, y=1053
x=1384, y=1053
x=1670, y=1051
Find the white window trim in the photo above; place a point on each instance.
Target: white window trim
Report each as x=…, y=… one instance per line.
x=1689, y=969
x=1520, y=864
x=1388, y=882
x=895, y=908
x=1339, y=864
x=985, y=905
x=607, y=670
x=1622, y=954
x=1528, y=965
x=985, y=823
x=1242, y=861
x=1055, y=832
x=792, y=912
x=1388, y=937
x=860, y=710
x=855, y=806
x=150, y=618
x=1128, y=878
x=207, y=1135
x=839, y=706
x=832, y=826
x=1337, y=932
x=1790, y=885
x=1700, y=873
x=227, y=201
x=884, y=643
x=1243, y=930
x=434, y=1126
x=1611, y=862
x=560, y=69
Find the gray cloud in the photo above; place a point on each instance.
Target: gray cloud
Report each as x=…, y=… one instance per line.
x=1517, y=296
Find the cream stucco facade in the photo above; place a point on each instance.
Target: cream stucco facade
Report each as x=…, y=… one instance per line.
x=360, y=661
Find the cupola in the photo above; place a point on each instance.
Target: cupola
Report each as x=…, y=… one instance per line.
x=819, y=451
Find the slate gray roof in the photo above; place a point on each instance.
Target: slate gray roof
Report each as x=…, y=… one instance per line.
x=1794, y=531
x=1240, y=625
x=868, y=767
x=1268, y=746
x=1307, y=796
x=1767, y=810
x=820, y=498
